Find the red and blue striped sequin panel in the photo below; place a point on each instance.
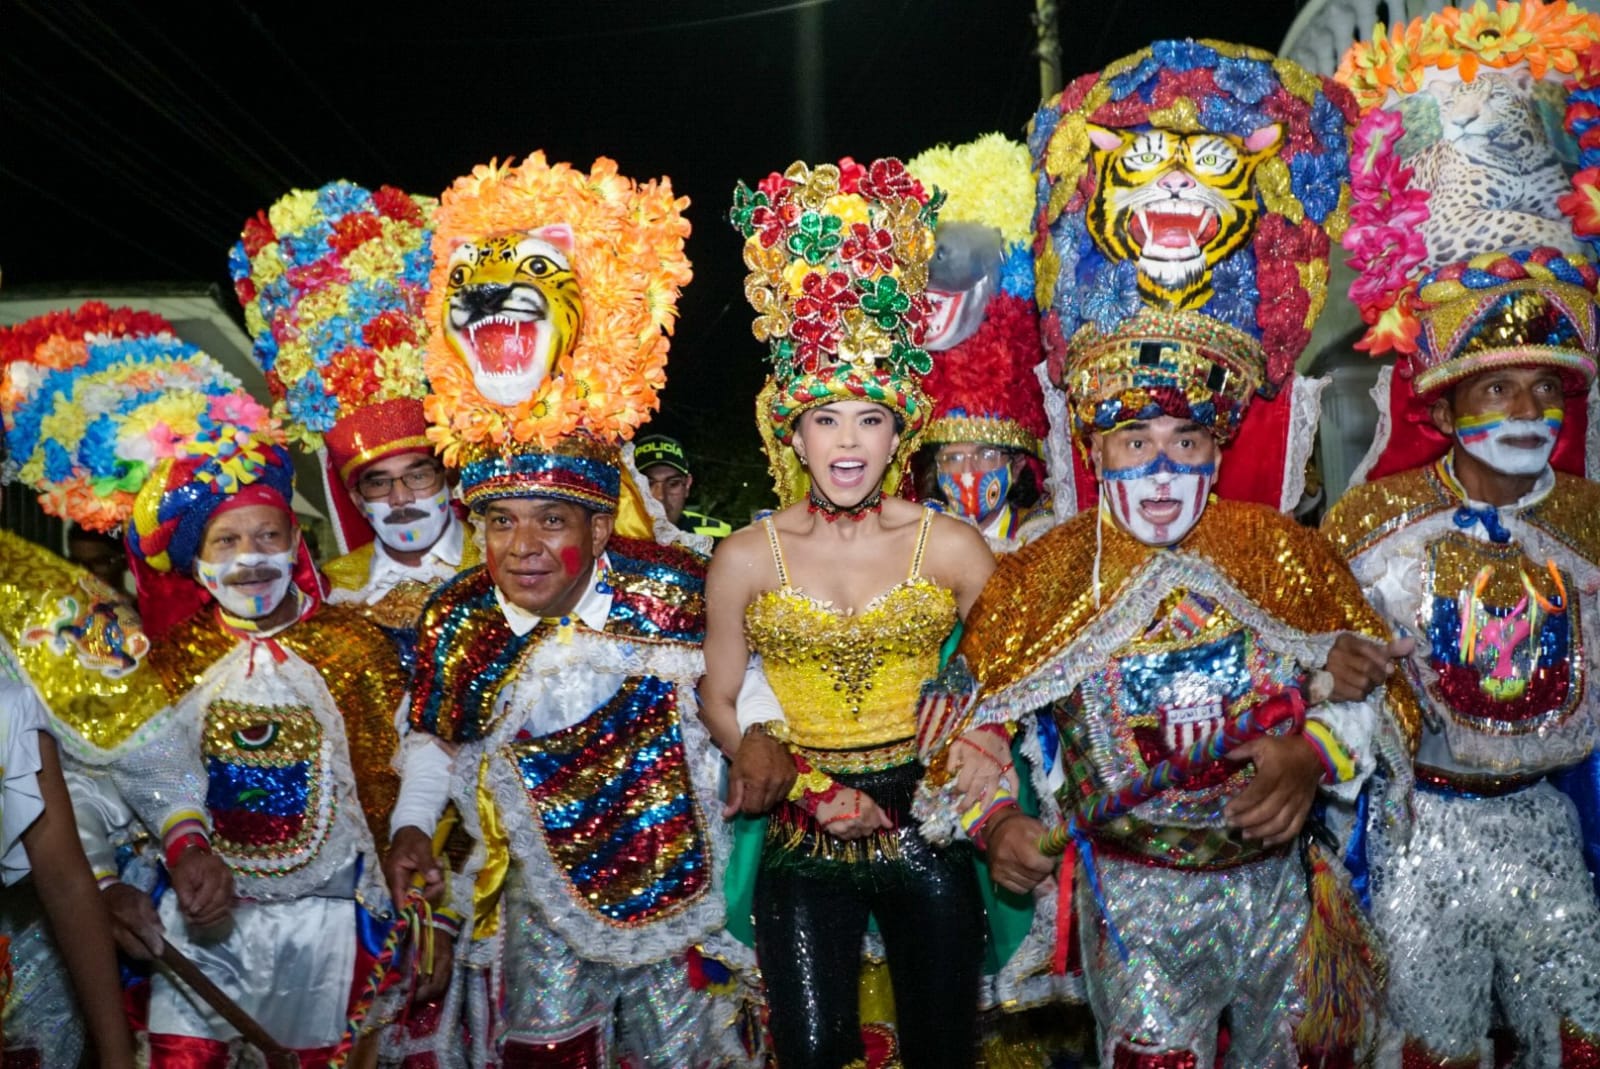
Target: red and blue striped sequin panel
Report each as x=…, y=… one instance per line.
x=613, y=797
x=264, y=790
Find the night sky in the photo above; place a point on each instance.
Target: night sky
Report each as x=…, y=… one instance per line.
x=137, y=137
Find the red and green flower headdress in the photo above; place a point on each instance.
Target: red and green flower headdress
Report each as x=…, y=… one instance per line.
x=838, y=263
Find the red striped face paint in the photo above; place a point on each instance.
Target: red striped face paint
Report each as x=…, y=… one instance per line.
x=571, y=559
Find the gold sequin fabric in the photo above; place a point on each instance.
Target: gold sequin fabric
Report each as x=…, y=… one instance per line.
x=1369, y=513
x=361, y=671
x=401, y=607
x=84, y=650
x=851, y=680
x=1041, y=598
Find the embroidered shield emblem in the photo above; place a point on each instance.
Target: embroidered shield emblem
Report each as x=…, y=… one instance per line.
x=1184, y=725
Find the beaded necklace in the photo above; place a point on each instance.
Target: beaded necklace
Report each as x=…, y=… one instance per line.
x=818, y=505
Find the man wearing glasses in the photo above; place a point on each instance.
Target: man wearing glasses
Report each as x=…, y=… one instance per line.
x=416, y=541
x=993, y=487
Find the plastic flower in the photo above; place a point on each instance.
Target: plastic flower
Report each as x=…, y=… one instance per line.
x=1395, y=328
x=1317, y=181
x=824, y=296
x=868, y=250
x=310, y=404
x=1234, y=293
x=1182, y=55
x=816, y=237
x=882, y=300
x=1582, y=205
x=1113, y=295
x=1246, y=80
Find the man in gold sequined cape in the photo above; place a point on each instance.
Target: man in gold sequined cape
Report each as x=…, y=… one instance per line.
x=1500, y=598
x=1246, y=605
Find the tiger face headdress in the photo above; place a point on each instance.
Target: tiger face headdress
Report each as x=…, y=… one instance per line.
x=1187, y=196
x=553, y=295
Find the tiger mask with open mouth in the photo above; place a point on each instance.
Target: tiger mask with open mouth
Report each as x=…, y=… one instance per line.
x=512, y=309
x=1176, y=204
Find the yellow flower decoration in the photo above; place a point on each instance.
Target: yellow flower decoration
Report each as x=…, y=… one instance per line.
x=988, y=181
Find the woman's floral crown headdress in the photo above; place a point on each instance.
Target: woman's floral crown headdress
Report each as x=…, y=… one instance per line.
x=838, y=263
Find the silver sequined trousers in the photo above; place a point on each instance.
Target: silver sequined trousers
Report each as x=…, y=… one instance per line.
x=647, y=1013
x=1489, y=903
x=1200, y=943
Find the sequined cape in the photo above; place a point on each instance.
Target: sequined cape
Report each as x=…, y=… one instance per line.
x=83, y=650
x=1041, y=600
x=398, y=610
x=1369, y=513
x=1411, y=520
x=466, y=652
x=356, y=662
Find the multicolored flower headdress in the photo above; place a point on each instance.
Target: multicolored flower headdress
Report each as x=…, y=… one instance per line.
x=1187, y=195
x=332, y=282
x=117, y=422
x=985, y=328
x=97, y=399
x=553, y=296
x=1470, y=240
x=838, y=257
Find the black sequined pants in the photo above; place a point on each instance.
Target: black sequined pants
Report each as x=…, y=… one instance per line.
x=811, y=910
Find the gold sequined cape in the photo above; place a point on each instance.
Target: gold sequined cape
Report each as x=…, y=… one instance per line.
x=1367, y=514
x=402, y=606
x=1041, y=598
x=358, y=664
x=83, y=649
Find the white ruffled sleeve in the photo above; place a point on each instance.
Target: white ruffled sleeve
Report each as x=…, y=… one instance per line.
x=22, y=718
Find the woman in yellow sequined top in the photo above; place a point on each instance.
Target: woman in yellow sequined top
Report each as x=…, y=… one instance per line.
x=847, y=596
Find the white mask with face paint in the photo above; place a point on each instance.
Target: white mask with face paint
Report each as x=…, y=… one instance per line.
x=1183, y=490
x=410, y=528
x=1486, y=439
x=217, y=579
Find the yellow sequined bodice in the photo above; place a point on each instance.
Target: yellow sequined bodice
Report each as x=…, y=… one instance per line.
x=850, y=680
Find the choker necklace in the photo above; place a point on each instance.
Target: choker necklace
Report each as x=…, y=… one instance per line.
x=821, y=506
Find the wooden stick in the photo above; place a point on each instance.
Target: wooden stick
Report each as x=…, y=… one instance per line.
x=278, y=1056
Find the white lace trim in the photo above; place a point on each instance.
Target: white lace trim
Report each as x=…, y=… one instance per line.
x=1305, y=412
x=1058, y=448
x=592, y=936
x=167, y=774
x=1134, y=608
x=1553, y=747
x=1591, y=439
x=1382, y=432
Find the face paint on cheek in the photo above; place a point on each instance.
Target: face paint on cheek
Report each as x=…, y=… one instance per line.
x=571, y=559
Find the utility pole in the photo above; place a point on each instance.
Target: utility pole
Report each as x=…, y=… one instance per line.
x=1049, y=50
